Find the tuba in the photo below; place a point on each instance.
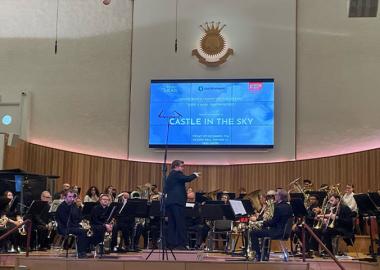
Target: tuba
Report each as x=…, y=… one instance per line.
x=212, y=194
x=254, y=198
x=135, y=194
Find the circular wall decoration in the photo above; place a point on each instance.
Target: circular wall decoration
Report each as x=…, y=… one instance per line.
x=6, y=120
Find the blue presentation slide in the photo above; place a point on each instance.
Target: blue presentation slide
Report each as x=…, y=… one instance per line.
x=212, y=113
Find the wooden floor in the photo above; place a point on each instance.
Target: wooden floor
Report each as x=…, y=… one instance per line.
x=186, y=260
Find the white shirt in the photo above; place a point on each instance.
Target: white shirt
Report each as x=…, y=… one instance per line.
x=349, y=200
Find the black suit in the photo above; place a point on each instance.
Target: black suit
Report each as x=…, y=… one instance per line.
x=99, y=215
x=344, y=225
x=175, y=207
x=274, y=227
x=68, y=218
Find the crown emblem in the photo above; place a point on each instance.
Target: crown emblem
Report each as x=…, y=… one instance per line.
x=212, y=49
x=212, y=28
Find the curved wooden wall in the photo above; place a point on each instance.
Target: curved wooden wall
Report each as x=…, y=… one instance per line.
x=362, y=169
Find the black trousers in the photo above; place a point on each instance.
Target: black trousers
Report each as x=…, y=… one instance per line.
x=82, y=239
x=257, y=234
x=176, y=232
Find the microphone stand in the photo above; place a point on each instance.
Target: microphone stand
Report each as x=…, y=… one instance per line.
x=162, y=247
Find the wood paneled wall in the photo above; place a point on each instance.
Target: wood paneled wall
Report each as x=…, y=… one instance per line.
x=362, y=169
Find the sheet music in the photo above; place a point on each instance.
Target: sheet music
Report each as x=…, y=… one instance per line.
x=237, y=207
x=190, y=205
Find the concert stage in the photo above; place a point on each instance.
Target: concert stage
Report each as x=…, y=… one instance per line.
x=186, y=260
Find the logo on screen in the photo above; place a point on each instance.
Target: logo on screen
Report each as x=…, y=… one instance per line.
x=255, y=86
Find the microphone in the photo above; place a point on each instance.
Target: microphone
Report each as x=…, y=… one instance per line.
x=175, y=45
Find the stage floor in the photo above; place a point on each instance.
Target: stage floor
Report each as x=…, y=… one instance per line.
x=186, y=260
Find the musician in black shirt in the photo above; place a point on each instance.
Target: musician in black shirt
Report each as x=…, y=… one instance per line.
x=274, y=227
x=99, y=219
x=68, y=217
x=338, y=221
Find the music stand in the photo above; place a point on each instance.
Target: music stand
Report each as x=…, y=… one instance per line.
x=375, y=197
x=296, y=195
x=199, y=198
x=214, y=202
x=192, y=210
x=154, y=209
x=212, y=211
x=248, y=207
x=87, y=208
x=298, y=207
x=367, y=208
x=365, y=205
x=37, y=208
x=136, y=208
x=3, y=204
x=320, y=196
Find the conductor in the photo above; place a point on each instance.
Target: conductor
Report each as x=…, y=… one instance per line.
x=176, y=203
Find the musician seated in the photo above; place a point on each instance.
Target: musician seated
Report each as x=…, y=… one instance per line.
x=68, y=217
x=155, y=194
x=265, y=213
x=274, y=227
x=338, y=221
x=60, y=194
x=348, y=198
x=100, y=223
x=311, y=244
x=40, y=224
x=11, y=218
x=124, y=223
x=225, y=198
x=92, y=194
x=195, y=224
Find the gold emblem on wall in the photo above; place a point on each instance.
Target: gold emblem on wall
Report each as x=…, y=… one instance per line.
x=212, y=49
